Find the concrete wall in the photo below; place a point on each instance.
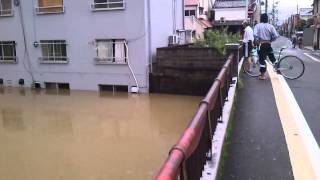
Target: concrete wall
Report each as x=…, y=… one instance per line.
x=80, y=26
x=230, y=14
x=185, y=70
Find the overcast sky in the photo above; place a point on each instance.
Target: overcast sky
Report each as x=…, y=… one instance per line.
x=288, y=7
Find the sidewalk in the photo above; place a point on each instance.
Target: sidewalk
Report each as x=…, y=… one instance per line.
x=258, y=149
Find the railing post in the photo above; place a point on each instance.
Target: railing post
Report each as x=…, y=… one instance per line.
x=234, y=48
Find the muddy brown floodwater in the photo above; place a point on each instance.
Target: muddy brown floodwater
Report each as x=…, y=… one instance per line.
x=81, y=135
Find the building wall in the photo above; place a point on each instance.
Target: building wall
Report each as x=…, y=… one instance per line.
x=80, y=26
x=162, y=24
x=192, y=23
x=230, y=14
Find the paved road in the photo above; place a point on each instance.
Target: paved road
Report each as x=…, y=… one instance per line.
x=307, y=88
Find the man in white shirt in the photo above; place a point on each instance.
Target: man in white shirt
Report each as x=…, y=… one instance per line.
x=247, y=42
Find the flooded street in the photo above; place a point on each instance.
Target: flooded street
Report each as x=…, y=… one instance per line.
x=88, y=136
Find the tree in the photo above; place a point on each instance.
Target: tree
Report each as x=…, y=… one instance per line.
x=301, y=24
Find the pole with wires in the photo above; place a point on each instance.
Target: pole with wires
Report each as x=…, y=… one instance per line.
x=26, y=51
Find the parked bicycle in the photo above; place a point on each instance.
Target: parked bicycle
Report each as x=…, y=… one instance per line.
x=289, y=66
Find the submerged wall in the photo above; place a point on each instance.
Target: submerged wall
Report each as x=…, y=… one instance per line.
x=185, y=70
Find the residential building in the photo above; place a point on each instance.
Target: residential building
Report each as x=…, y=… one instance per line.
x=316, y=16
x=305, y=13
x=230, y=13
x=84, y=44
x=197, y=15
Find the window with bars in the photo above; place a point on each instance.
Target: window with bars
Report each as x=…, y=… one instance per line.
x=8, y=52
x=111, y=51
x=190, y=12
x=107, y=4
x=54, y=51
x=50, y=6
x=6, y=8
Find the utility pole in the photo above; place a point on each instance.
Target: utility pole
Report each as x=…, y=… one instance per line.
x=266, y=9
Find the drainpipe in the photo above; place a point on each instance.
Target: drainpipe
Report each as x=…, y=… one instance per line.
x=183, y=23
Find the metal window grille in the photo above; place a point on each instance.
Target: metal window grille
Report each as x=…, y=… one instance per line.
x=54, y=51
x=8, y=51
x=111, y=51
x=108, y=4
x=189, y=12
x=50, y=6
x=6, y=8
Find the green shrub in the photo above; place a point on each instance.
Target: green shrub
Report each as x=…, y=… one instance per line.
x=217, y=39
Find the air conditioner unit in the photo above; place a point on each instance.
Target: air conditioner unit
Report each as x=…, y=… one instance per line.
x=189, y=38
x=173, y=39
x=222, y=19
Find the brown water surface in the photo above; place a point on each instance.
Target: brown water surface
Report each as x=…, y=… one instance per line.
x=83, y=135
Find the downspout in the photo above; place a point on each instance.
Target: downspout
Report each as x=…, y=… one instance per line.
x=148, y=31
x=136, y=88
x=183, y=9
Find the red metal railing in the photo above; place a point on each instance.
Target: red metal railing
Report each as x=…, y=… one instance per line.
x=188, y=157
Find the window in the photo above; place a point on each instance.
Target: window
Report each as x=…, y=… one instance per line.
x=6, y=8
x=108, y=4
x=50, y=6
x=201, y=10
x=190, y=12
x=8, y=52
x=111, y=51
x=53, y=51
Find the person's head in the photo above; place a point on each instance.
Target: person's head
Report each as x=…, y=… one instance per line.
x=264, y=18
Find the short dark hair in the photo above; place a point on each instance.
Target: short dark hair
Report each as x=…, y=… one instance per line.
x=264, y=18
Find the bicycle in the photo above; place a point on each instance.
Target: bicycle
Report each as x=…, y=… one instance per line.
x=289, y=66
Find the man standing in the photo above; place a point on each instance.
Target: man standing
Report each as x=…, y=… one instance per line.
x=247, y=42
x=265, y=33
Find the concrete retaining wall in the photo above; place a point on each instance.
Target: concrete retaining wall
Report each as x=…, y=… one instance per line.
x=185, y=70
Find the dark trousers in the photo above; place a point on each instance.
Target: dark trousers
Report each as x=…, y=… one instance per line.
x=264, y=51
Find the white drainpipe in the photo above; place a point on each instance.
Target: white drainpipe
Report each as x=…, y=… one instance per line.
x=134, y=89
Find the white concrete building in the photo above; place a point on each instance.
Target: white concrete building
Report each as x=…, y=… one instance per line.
x=84, y=44
x=230, y=13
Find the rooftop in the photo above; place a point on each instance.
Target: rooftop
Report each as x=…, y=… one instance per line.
x=191, y=2
x=229, y=4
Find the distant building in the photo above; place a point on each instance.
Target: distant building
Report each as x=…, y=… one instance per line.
x=230, y=13
x=305, y=13
x=197, y=14
x=84, y=44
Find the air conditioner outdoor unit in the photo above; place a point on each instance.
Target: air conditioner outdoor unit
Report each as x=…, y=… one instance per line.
x=173, y=39
x=222, y=19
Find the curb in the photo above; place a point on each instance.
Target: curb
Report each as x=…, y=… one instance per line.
x=211, y=169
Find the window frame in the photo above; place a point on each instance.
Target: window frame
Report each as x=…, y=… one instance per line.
x=189, y=14
x=3, y=10
x=39, y=12
x=113, y=60
x=94, y=4
x=13, y=59
x=47, y=59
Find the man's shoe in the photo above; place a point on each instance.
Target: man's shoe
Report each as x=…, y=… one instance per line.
x=262, y=77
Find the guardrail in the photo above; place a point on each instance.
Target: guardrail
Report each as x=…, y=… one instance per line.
x=187, y=158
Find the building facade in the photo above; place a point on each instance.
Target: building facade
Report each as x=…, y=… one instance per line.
x=230, y=14
x=316, y=16
x=197, y=15
x=84, y=44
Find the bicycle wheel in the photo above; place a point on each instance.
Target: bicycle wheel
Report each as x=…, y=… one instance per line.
x=252, y=69
x=291, y=67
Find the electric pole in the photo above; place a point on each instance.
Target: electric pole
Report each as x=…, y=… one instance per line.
x=266, y=9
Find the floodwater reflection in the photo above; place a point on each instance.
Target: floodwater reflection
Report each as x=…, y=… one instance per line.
x=88, y=136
